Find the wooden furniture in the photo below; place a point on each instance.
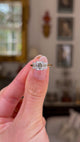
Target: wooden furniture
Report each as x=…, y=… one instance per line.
x=59, y=110
x=22, y=57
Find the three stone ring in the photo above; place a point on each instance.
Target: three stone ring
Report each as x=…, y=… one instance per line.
x=40, y=65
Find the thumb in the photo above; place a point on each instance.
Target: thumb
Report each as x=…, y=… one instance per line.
x=35, y=89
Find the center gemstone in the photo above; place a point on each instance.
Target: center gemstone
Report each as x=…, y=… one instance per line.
x=39, y=65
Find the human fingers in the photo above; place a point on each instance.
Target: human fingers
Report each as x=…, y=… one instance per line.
x=35, y=90
x=11, y=95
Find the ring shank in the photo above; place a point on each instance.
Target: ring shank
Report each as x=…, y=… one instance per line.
x=49, y=65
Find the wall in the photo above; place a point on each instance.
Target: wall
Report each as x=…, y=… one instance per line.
x=47, y=46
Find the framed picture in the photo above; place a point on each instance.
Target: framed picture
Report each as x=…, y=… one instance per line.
x=65, y=28
x=64, y=55
x=14, y=15
x=65, y=6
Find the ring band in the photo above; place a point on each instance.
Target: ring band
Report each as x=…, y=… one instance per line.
x=40, y=65
x=49, y=65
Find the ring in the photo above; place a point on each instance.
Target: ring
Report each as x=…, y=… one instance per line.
x=40, y=65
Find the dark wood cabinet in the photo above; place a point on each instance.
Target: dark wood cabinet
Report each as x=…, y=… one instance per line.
x=49, y=111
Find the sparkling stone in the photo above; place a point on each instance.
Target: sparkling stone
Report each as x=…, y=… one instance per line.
x=39, y=65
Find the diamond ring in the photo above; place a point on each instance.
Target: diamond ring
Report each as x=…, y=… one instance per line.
x=40, y=65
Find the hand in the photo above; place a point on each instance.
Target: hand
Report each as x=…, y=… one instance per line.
x=28, y=125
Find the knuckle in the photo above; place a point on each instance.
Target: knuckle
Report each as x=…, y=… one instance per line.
x=33, y=91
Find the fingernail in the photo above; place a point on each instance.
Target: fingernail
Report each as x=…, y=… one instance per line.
x=41, y=74
x=38, y=57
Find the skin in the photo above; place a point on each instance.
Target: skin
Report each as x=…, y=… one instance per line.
x=28, y=125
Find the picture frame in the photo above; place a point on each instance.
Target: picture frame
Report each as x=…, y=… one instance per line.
x=10, y=56
x=11, y=28
x=65, y=6
x=65, y=28
x=64, y=55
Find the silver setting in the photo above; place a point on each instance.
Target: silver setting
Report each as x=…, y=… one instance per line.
x=40, y=65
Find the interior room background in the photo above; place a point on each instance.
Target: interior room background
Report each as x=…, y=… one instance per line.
x=48, y=46
x=45, y=36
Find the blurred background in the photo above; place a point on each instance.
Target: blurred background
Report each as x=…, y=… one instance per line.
x=50, y=28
